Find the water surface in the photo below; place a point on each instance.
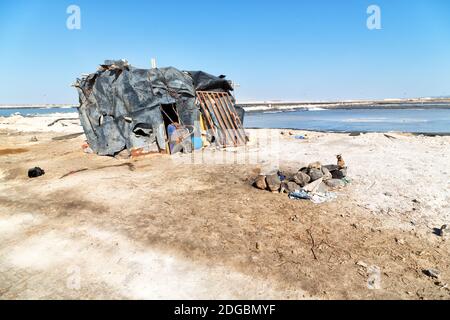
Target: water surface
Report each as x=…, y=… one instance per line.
x=362, y=120
x=33, y=112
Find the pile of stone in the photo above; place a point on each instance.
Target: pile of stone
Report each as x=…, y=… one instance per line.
x=316, y=178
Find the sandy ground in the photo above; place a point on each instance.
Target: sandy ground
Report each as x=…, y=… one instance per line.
x=193, y=227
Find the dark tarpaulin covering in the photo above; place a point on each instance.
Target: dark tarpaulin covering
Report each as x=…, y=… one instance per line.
x=120, y=106
x=206, y=82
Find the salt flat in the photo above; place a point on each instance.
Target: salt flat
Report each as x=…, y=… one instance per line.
x=194, y=227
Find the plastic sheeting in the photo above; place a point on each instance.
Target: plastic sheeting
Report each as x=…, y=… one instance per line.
x=120, y=105
x=206, y=82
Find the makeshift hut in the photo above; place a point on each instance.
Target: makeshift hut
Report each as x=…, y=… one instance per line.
x=157, y=110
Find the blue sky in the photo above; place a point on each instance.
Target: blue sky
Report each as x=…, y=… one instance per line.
x=287, y=50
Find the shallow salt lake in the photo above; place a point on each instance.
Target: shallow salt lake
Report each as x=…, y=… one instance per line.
x=336, y=120
x=363, y=120
x=32, y=112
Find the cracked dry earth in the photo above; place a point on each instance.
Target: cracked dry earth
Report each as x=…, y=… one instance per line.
x=158, y=228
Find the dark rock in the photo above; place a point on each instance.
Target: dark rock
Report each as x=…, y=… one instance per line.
x=339, y=174
x=35, y=172
x=326, y=174
x=302, y=179
x=444, y=230
x=273, y=182
x=260, y=183
x=34, y=139
x=289, y=187
x=335, y=183
x=304, y=170
x=315, y=174
x=432, y=273
x=331, y=167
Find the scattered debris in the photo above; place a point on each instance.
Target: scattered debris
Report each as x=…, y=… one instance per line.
x=432, y=273
x=63, y=119
x=130, y=166
x=346, y=180
x=35, y=172
x=442, y=231
x=309, y=183
x=68, y=137
x=442, y=285
x=362, y=264
x=300, y=195
x=322, y=197
x=87, y=149
x=313, y=242
x=74, y=172
x=341, y=162
x=390, y=137
x=281, y=175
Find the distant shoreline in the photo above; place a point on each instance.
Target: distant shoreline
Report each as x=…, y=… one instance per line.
x=358, y=132
x=347, y=105
x=261, y=106
x=38, y=106
x=341, y=107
